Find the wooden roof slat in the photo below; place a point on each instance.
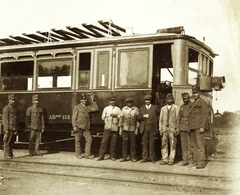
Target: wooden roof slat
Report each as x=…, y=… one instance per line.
x=23, y=39
x=60, y=32
x=81, y=32
x=36, y=37
x=90, y=28
x=71, y=34
x=51, y=35
x=10, y=41
x=113, y=32
x=116, y=26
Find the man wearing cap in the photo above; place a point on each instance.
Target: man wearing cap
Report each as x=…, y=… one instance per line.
x=35, y=125
x=81, y=125
x=110, y=116
x=168, y=130
x=183, y=126
x=9, y=121
x=129, y=129
x=198, y=116
x=148, y=115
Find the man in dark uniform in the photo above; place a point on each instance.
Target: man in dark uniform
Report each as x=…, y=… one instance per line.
x=35, y=126
x=81, y=125
x=148, y=116
x=9, y=121
x=198, y=116
x=183, y=127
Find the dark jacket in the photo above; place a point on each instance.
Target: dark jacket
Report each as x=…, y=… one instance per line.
x=198, y=115
x=80, y=116
x=34, y=118
x=9, y=119
x=151, y=122
x=183, y=117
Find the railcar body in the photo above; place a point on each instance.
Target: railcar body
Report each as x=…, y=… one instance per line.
x=121, y=65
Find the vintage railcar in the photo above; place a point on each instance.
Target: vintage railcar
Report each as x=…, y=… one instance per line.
x=107, y=60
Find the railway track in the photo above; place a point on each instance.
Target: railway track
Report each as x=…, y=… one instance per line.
x=183, y=182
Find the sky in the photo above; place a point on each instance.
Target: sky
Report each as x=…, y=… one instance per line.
x=216, y=20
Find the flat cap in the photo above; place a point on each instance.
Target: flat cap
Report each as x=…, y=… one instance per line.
x=147, y=97
x=112, y=98
x=11, y=97
x=185, y=95
x=129, y=100
x=35, y=97
x=169, y=96
x=195, y=89
x=83, y=96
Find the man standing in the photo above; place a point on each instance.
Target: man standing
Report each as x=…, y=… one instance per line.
x=198, y=117
x=9, y=121
x=129, y=129
x=183, y=126
x=110, y=116
x=35, y=125
x=81, y=125
x=168, y=130
x=148, y=115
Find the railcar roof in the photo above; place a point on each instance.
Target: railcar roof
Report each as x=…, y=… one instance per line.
x=87, y=34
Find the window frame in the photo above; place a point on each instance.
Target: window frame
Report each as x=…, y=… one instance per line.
x=55, y=59
x=149, y=49
x=76, y=73
x=95, y=69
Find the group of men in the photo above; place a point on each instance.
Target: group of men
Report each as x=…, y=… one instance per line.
x=34, y=124
x=189, y=120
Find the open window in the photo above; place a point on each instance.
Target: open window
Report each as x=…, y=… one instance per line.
x=54, y=73
x=193, y=67
x=84, y=67
x=16, y=75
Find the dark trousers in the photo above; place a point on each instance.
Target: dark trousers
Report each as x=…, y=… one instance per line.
x=88, y=137
x=34, y=139
x=148, y=145
x=128, y=137
x=198, y=147
x=112, y=135
x=8, y=140
x=186, y=147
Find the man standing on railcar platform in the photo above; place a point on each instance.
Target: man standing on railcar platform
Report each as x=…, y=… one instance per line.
x=110, y=116
x=129, y=129
x=35, y=125
x=198, y=116
x=168, y=130
x=148, y=116
x=81, y=125
x=9, y=121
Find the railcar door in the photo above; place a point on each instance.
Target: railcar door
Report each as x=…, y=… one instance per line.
x=162, y=77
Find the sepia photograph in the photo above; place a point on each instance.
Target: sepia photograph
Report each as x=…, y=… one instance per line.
x=119, y=97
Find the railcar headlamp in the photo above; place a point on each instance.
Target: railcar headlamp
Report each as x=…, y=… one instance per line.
x=218, y=83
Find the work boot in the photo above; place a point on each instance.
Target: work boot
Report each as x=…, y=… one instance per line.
x=89, y=157
x=123, y=159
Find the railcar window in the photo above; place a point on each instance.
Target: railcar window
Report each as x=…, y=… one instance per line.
x=102, y=69
x=84, y=70
x=54, y=73
x=192, y=67
x=133, y=68
x=16, y=75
